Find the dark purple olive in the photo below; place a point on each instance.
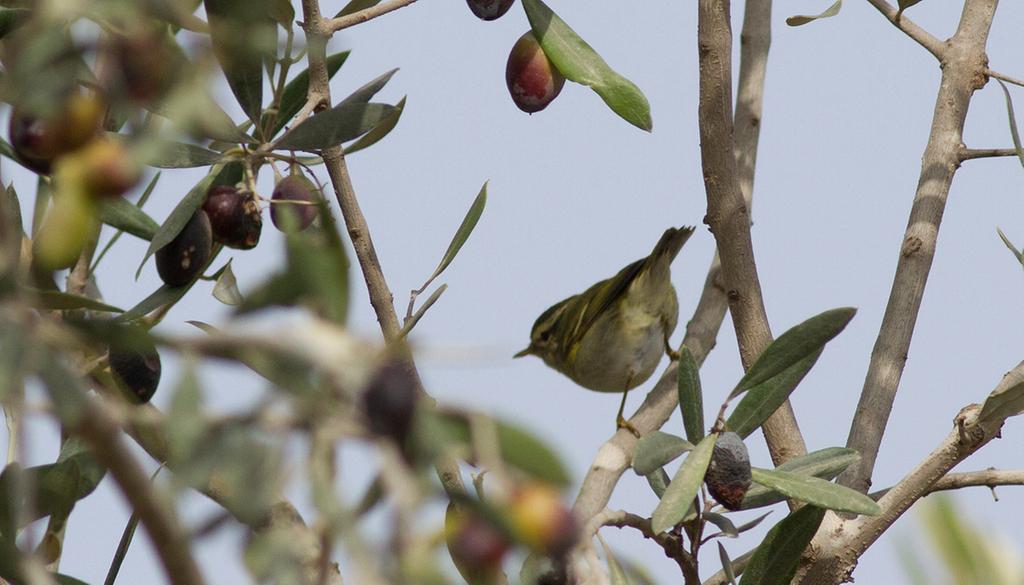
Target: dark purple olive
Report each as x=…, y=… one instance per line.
x=300, y=213
x=489, y=9
x=136, y=369
x=234, y=217
x=728, y=475
x=390, y=400
x=38, y=140
x=181, y=260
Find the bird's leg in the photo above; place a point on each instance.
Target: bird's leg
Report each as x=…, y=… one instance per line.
x=672, y=354
x=620, y=419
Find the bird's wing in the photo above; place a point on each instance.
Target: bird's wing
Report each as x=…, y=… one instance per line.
x=580, y=315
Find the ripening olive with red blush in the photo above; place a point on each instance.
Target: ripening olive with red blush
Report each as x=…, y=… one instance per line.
x=234, y=217
x=293, y=206
x=489, y=9
x=533, y=81
x=39, y=139
x=183, y=258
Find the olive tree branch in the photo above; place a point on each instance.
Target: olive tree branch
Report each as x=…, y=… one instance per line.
x=922, y=37
x=990, y=478
x=1006, y=78
x=728, y=214
x=669, y=543
x=343, y=22
x=615, y=456
x=963, y=62
x=973, y=153
x=317, y=32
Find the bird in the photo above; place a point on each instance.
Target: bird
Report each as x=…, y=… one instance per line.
x=611, y=337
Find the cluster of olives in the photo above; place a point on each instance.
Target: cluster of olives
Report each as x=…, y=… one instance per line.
x=534, y=516
x=231, y=216
x=68, y=141
x=532, y=80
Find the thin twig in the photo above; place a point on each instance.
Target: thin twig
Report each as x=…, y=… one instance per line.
x=963, y=72
x=1006, y=78
x=728, y=215
x=973, y=153
x=380, y=295
x=342, y=22
x=668, y=542
x=924, y=38
x=990, y=478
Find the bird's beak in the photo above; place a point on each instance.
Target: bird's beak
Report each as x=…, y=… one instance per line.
x=525, y=352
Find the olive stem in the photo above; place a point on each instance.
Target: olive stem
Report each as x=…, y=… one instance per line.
x=342, y=22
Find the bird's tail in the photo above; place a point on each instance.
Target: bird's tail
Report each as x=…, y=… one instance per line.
x=670, y=243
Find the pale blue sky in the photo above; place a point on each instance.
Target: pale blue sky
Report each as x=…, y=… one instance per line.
x=576, y=193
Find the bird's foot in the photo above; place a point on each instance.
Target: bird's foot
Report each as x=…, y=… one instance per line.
x=622, y=423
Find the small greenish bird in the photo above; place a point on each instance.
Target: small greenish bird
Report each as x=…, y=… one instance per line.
x=611, y=337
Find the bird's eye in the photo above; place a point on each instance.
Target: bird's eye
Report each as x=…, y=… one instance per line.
x=545, y=335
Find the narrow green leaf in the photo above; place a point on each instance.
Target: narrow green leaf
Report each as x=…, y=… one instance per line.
x=816, y=491
x=63, y=579
x=180, y=216
x=382, y=129
x=723, y=556
x=753, y=523
x=776, y=559
x=355, y=6
x=295, y=92
x=365, y=93
x=691, y=401
x=1014, y=132
x=680, y=493
x=723, y=523
x=164, y=295
x=766, y=397
x=794, y=345
x=1013, y=249
x=904, y=4
x=226, y=288
x=52, y=300
x=658, y=481
x=656, y=449
x=334, y=126
x=169, y=154
x=829, y=12
x=119, y=213
x=578, y=62
x=462, y=234
x=825, y=464
x=616, y=574
x=1007, y=399
x=240, y=32
x=10, y=503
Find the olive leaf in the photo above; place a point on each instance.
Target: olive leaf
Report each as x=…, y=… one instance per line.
x=241, y=33
x=382, y=129
x=1013, y=249
x=332, y=127
x=355, y=6
x=1014, y=132
x=762, y=400
x=225, y=289
x=53, y=300
x=776, y=559
x=816, y=491
x=1007, y=399
x=295, y=92
x=579, y=62
x=656, y=449
x=680, y=493
x=824, y=463
x=828, y=13
x=795, y=345
x=118, y=212
x=691, y=401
